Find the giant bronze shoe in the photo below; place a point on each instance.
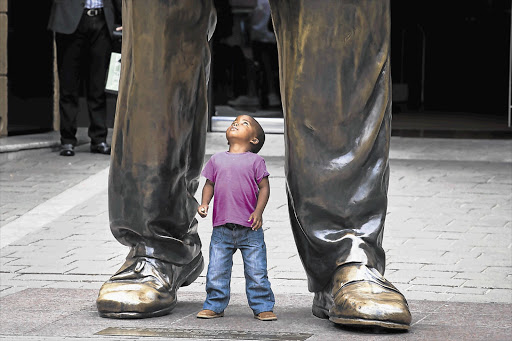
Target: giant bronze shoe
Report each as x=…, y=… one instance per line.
x=362, y=297
x=145, y=287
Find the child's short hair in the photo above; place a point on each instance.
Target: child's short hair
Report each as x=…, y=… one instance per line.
x=255, y=148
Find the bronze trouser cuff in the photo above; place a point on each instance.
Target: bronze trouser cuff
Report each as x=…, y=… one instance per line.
x=335, y=86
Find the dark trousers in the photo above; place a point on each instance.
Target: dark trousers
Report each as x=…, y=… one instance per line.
x=83, y=58
x=336, y=94
x=265, y=54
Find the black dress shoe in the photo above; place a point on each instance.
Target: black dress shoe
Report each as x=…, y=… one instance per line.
x=67, y=150
x=101, y=148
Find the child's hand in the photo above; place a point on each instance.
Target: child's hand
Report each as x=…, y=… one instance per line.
x=203, y=210
x=257, y=220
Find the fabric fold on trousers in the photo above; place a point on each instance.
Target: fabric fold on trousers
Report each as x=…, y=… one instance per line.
x=335, y=88
x=160, y=128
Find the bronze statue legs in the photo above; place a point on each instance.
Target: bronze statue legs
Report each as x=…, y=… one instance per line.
x=335, y=85
x=158, y=152
x=335, y=88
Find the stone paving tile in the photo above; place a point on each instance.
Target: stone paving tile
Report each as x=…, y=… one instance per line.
x=444, y=282
x=427, y=293
x=54, y=277
x=48, y=269
x=6, y=277
x=467, y=291
x=64, y=285
x=461, y=236
x=490, y=297
x=490, y=283
x=92, y=267
x=493, y=270
x=39, y=178
x=10, y=290
x=289, y=274
x=497, y=295
x=502, y=277
x=403, y=266
x=452, y=267
x=4, y=287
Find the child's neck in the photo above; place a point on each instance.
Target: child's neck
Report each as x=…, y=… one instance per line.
x=237, y=148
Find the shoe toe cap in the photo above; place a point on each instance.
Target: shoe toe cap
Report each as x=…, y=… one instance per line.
x=368, y=301
x=132, y=297
x=67, y=153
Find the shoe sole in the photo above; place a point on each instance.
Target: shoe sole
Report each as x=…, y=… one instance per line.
x=368, y=323
x=136, y=315
x=320, y=312
x=209, y=316
x=266, y=319
x=188, y=275
x=324, y=314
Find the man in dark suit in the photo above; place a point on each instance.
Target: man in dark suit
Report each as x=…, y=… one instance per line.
x=83, y=33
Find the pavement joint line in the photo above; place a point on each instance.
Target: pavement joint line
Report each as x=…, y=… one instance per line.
x=53, y=208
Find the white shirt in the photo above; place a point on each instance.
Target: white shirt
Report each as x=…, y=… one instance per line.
x=93, y=4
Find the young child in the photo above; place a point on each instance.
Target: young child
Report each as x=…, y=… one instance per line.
x=239, y=179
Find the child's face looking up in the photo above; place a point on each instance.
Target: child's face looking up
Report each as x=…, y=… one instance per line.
x=242, y=129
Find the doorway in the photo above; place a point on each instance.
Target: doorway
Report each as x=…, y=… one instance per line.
x=30, y=68
x=450, y=66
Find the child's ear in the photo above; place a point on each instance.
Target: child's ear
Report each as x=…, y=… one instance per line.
x=255, y=140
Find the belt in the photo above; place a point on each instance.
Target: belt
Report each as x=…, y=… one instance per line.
x=232, y=226
x=92, y=12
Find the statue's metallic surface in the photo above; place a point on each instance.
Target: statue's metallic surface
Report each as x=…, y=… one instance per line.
x=335, y=85
x=335, y=80
x=361, y=296
x=157, y=155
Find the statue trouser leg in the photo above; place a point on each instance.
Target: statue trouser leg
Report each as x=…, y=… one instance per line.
x=157, y=155
x=335, y=85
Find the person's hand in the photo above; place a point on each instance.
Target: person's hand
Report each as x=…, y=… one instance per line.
x=203, y=210
x=257, y=220
x=120, y=28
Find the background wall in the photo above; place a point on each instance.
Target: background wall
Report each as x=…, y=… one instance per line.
x=3, y=67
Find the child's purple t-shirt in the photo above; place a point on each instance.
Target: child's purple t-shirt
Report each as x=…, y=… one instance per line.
x=236, y=178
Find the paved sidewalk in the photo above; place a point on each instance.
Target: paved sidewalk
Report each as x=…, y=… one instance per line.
x=448, y=241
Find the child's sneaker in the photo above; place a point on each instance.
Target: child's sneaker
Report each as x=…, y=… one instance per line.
x=266, y=316
x=208, y=314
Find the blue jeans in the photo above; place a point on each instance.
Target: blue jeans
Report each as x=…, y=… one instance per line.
x=226, y=239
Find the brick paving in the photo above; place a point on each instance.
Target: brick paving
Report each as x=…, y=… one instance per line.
x=448, y=234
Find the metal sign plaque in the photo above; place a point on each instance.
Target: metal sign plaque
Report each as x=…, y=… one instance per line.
x=205, y=334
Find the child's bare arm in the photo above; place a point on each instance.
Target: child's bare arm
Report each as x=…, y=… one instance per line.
x=207, y=196
x=264, y=194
